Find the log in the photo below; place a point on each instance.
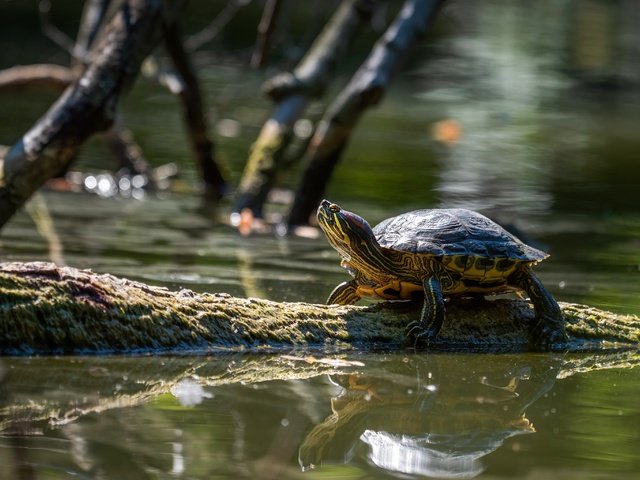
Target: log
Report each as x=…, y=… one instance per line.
x=45, y=309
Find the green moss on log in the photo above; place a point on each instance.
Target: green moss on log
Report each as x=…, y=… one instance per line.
x=46, y=309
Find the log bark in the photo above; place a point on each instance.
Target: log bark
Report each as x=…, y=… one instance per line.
x=45, y=309
x=87, y=106
x=365, y=90
x=292, y=92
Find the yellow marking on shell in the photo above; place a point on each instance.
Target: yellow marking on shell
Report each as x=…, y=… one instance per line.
x=480, y=267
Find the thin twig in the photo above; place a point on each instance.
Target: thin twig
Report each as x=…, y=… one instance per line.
x=212, y=30
x=265, y=30
x=42, y=76
x=93, y=17
x=57, y=36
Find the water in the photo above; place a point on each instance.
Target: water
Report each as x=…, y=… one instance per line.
x=375, y=416
x=507, y=110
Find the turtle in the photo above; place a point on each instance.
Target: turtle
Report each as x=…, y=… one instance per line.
x=432, y=253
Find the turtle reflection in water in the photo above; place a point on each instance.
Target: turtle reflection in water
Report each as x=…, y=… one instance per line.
x=448, y=413
x=433, y=254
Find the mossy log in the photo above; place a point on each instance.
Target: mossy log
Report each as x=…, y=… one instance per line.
x=45, y=309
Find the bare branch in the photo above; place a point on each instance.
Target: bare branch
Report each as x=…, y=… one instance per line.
x=197, y=126
x=265, y=29
x=293, y=91
x=42, y=76
x=212, y=30
x=57, y=36
x=87, y=106
x=365, y=90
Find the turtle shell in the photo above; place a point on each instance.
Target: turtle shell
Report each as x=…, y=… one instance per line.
x=459, y=237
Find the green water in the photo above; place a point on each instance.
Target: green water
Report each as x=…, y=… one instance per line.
x=548, y=145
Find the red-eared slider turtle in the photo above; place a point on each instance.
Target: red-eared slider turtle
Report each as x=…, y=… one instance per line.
x=434, y=253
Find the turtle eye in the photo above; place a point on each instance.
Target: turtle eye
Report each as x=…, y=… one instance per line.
x=333, y=208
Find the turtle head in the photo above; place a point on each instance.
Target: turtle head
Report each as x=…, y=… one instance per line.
x=348, y=233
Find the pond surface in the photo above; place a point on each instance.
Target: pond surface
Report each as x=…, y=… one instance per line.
x=443, y=416
x=510, y=110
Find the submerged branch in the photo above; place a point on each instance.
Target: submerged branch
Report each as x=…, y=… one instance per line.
x=365, y=90
x=87, y=106
x=292, y=92
x=46, y=309
x=265, y=31
x=195, y=118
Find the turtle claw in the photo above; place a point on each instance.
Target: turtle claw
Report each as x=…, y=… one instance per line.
x=425, y=329
x=548, y=335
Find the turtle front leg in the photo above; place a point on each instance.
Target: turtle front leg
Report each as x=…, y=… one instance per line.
x=344, y=294
x=432, y=316
x=549, y=326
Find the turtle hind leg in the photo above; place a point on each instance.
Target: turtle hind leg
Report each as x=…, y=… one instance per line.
x=432, y=316
x=548, y=329
x=344, y=294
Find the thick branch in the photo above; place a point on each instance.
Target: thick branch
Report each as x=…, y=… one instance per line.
x=365, y=90
x=48, y=309
x=87, y=106
x=195, y=118
x=56, y=78
x=293, y=92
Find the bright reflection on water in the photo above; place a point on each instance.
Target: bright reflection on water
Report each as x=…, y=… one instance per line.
x=524, y=110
